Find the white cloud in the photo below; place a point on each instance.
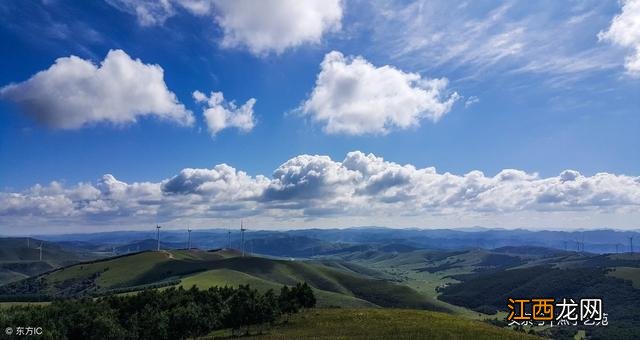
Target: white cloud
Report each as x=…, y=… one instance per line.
x=148, y=12
x=220, y=114
x=74, y=92
x=625, y=31
x=352, y=96
x=156, y=12
x=223, y=182
x=361, y=186
x=261, y=27
x=482, y=39
x=275, y=25
x=471, y=100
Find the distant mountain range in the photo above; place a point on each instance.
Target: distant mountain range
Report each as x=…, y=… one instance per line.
x=19, y=257
x=311, y=242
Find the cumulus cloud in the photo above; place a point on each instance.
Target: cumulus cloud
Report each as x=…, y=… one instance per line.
x=625, y=31
x=261, y=27
x=352, y=96
x=307, y=177
x=74, y=92
x=275, y=25
x=314, y=186
x=220, y=114
x=223, y=182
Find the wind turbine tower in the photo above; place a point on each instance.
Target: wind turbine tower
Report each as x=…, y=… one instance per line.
x=189, y=239
x=158, y=236
x=631, y=244
x=40, y=248
x=242, y=230
x=229, y=239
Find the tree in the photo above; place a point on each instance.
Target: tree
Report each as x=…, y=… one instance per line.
x=287, y=301
x=304, y=295
x=243, y=307
x=268, y=309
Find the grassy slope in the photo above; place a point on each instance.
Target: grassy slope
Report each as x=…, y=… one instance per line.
x=16, y=250
x=379, y=292
x=627, y=273
x=385, y=324
x=133, y=269
x=17, y=261
x=8, y=276
x=334, y=287
x=426, y=270
x=408, y=269
x=227, y=277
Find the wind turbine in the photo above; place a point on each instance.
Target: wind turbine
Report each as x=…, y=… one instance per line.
x=189, y=239
x=229, y=239
x=242, y=230
x=158, y=236
x=631, y=244
x=40, y=248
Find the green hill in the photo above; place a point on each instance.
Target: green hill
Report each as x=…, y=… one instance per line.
x=20, y=258
x=384, y=324
x=20, y=249
x=232, y=278
x=334, y=286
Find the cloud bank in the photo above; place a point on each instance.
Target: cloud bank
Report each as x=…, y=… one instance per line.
x=220, y=114
x=317, y=187
x=74, y=92
x=261, y=27
x=352, y=96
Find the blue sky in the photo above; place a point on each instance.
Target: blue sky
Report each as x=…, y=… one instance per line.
x=539, y=87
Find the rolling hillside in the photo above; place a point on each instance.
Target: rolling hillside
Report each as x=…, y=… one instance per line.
x=334, y=286
x=20, y=258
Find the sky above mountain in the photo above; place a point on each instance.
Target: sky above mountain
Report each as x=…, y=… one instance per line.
x=121, y=114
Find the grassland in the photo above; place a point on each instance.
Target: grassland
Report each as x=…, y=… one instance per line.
x=627, y=273
x=414, y=270
x=19, y=259
x=232, y=278
x=383, y=324
x=334, y=287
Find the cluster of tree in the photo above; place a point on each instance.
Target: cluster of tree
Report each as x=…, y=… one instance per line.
x=173, y=313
